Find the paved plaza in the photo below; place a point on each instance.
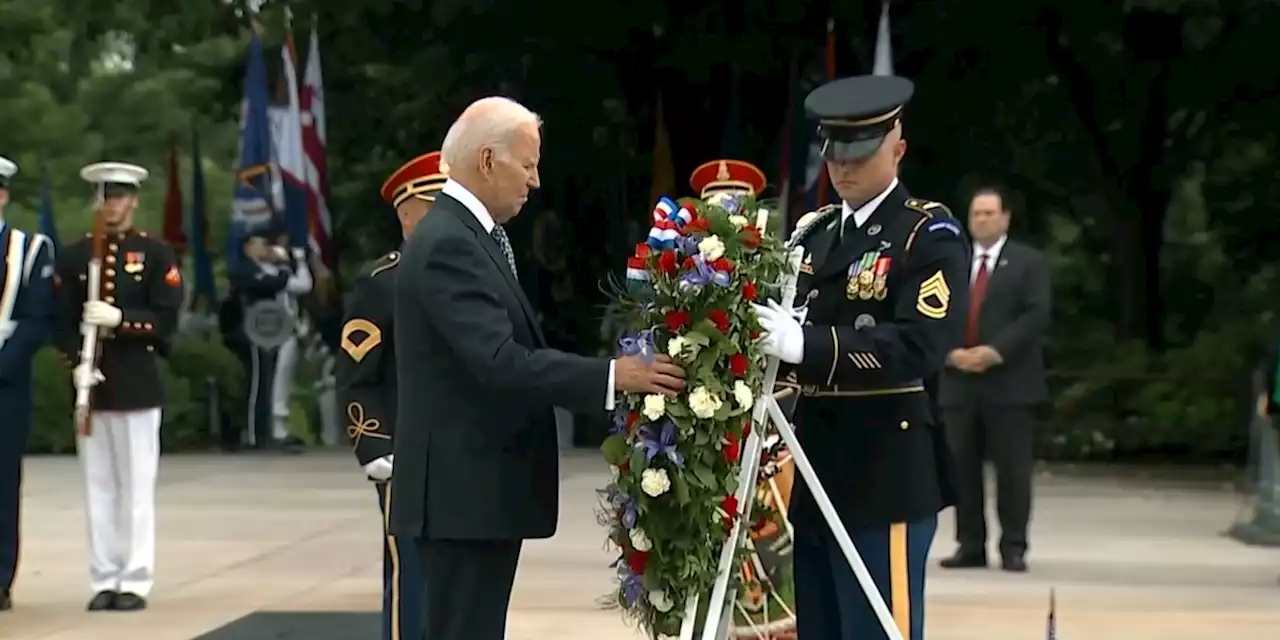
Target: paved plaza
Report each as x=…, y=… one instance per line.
x=1130, y=560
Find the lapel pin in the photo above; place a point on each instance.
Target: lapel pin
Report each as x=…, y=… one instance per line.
x=873, y=230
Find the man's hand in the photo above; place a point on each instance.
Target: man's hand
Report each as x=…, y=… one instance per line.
x=985, y=357
x=381, y=468
x=783, y=336
x=86, y=376
x=102, y=314
x=633, y=375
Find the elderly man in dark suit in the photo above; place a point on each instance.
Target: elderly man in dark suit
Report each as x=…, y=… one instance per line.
x=991, y=387
x=476, y=452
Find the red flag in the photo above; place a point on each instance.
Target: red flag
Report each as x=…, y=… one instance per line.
x=174, y=233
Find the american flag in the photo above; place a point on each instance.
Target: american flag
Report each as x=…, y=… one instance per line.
x=313, y=147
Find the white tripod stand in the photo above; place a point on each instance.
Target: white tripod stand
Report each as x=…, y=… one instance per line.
x=718, y=621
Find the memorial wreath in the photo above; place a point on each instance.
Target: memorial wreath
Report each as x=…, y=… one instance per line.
x=676, y=460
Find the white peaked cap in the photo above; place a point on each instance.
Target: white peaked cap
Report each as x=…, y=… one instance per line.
x=114, y=172
x=7, y=167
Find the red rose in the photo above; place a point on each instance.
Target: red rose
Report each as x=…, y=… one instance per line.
x=676, y=320
x=667, y=262
x=732, y=448
x=638, y=561
x=632, y=419
x=749, y=292
x=746, y=430
x=722, y=264
x=738, y=364
x=730, y=506
x=699, y=224
x=750, y=236
x=755, y=334
x=688, y=263
x=720, y=319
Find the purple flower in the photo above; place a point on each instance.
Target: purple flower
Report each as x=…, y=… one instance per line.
x=621, y=502
x=638, y=344
x=705, y=274
x=619, y=420
x=688, y=245
x=659, y=440
x=632, y=584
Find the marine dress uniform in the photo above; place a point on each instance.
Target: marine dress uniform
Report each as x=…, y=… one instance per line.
x=367, y=390
x=880, y=281
x=137, y=314
x=26, y=317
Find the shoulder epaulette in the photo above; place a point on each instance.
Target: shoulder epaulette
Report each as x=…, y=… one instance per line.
x=928, y=208
x=805, y=225
x=385, y=262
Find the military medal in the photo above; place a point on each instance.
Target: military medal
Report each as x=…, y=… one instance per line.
x=133, y=261
x=880, y=289
x=806, y=267
x=861, y=277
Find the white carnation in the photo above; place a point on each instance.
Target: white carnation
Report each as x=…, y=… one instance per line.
x=654, y=482
x=660, y=601
x=738, y=221
x=676, y=345
x=614, y=471
x=711, y=248
x=654, y=406
x=742, y=393
x=639, y=541
x=704, y=403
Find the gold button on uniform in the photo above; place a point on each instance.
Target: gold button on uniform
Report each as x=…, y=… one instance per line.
x=904, y=425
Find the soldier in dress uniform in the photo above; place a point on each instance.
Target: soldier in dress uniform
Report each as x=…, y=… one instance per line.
x=880, y=276
x=366, y=376
x=298, y=285
x=265, y=274
x=26, y=317
x=141, y=294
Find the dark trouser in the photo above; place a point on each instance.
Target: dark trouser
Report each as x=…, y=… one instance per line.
x=830, y=605
x=401, y=580
x=1002, y=434
x=16, y=404
x=262, y=375
x=468, y=585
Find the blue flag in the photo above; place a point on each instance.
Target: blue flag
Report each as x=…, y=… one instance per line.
x=252, y=194
x=201, y=261
x=47, y=227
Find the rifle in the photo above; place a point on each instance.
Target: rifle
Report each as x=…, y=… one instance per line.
x=90, y=333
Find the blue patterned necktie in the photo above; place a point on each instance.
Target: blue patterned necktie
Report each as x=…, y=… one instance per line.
x=500, y=236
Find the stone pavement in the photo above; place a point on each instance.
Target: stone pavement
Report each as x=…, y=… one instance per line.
x=1129, y=559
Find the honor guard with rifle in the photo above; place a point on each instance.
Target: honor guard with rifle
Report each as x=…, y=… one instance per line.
x=366, y=375
x=263, y=279
x=27, y=307
x=881, y=275
x=119, y=298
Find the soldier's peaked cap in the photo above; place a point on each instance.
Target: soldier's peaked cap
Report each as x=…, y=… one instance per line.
x=419, y=178
x=8, y=169
x=115, y=178
x=727, y=175
x=855, y=114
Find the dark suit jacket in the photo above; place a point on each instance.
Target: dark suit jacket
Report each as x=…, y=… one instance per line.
x=476, y=455
x=1013, y=320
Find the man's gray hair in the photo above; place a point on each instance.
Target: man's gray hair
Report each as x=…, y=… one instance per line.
x=487, y=122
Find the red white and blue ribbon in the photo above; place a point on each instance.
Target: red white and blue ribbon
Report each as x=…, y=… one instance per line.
x=668, y=220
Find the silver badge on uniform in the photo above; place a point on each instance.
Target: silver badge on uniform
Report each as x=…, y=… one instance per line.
x=864, y=321
x=873, y=230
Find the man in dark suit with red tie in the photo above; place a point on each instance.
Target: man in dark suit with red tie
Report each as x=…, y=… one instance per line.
x=990, y=388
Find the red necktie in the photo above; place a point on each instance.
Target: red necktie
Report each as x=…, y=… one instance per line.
x=976, y=293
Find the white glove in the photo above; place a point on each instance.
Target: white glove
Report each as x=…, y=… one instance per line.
x=783, y=337
x=102, y=314
x=85, y=375
x=380, y=469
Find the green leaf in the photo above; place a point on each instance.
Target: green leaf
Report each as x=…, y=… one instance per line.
x=677, y=409
x=701, y=438
x=705, y=476
x=615, y=449
x=726, y=409
x=698, y=338
x=637, y=459
x=681, y=487
x=709, y=329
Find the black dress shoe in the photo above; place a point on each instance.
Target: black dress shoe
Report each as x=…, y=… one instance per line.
x=964, y=560
x=103, y=601
x=6, y=601
x=1014, y=564
x=130, y=602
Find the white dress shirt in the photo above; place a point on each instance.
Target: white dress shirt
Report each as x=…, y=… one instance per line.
x=472, y=203
x=863, y=213
x=990, y=254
